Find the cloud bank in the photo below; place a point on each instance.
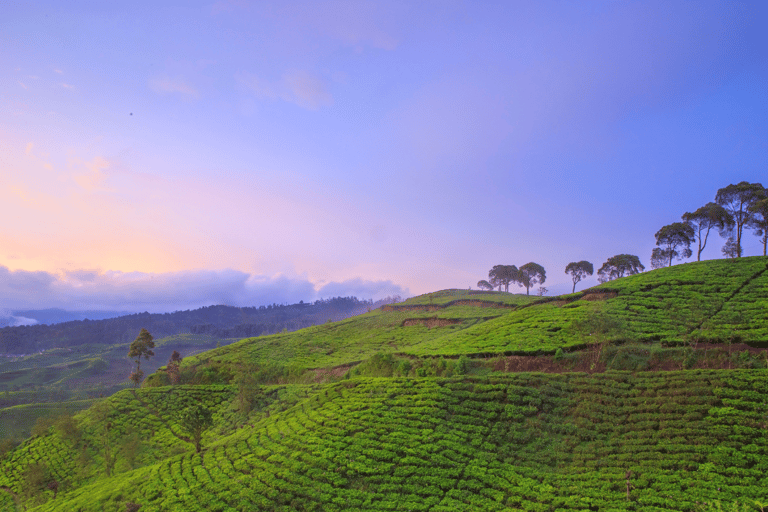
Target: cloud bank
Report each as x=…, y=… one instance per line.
x=164, y=292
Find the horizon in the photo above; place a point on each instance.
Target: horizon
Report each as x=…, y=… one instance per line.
x=169, y=158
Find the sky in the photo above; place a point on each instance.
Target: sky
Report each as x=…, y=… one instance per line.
x=170, y=155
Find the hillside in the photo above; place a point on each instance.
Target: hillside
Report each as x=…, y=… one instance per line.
x=76, y=361
x=421, y=406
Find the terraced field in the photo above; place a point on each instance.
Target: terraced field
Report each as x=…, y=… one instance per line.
x=511, y=442
x=717, y=301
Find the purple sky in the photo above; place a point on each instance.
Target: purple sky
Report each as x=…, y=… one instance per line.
x=255, y=152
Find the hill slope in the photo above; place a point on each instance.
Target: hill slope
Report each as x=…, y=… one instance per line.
x=536, y=442
x=441, y=432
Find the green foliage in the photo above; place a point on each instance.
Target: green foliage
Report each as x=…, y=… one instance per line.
x=501, y=275
x=736, y=200
x=530, y=275
x=619, y=266
x=703, y=220
x=520, y=441
x=141, y=347
x=195, y=420
x=670, y=238
x=579, y=270
x=462, y=366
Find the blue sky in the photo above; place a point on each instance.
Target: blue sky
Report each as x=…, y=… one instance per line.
x=173, y=156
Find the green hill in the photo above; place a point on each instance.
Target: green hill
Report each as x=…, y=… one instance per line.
x=417, y=406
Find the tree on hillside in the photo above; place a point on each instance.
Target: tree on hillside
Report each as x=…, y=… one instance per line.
x=737, y=199
x=731, y=249
x=578, y=271
x=670, y=238
x=659, y=258
x=759, y=211
x=102, y=413
x=503, y=275
x=195, y=420
x=531, y=274
x=619, y=266
x=141, y=347
x=709, y=216
x=484, y=285
x=173, y=368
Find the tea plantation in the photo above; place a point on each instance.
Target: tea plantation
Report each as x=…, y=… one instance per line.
x=416, y=406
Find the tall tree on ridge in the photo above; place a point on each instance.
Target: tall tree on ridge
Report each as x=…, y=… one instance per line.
x=709, y=216
x=673, y=236
x=737, y=199
x=619, y=266
x=141, y=347
x=484, y=285
x=503, y=275
x=578, y=271
x=759, y=211
x=531, y=274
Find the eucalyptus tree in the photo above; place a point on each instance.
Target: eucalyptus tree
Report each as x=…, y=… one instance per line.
x=737, y=199
x=709, y=216
x=503, y=275
x=759, y=211
x=141, y=347
x=619, y=266
x=578, y=271
x=484, y=285
x=670, y=238
x=195, y=420
x=531, y=274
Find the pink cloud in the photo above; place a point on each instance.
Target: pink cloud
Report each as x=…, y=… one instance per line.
x=299, y=87
x=166, y=85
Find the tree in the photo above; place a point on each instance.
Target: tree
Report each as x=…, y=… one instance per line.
x=250, y=395
x=102, y=412
x=173, y=369
x=759, y=211
x=578, y=271
x=484, y=285
x=731, y=249
x=503, y=275
x=531, y=274
x=709, y=216
x=619, y=266
x=659, y=258
x=141, y=347
x=195, y=420
x=673, y=236
x=737, y=199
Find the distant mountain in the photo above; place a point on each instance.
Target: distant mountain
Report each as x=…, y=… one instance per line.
x=217, y=321
x=56, y=316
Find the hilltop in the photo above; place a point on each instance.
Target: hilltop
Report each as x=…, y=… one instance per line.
x=421, y=406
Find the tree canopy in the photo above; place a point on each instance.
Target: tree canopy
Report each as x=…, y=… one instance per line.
x=619, y=266
x=759, y=210
x=578, y=271
x=709, y=216
x=141, y=347
x=484, y=285
x=502, y=275
x=670, y=238
x=195, y=420
x=531, y=274
x=736, y=199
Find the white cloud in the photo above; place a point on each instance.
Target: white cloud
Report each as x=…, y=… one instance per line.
x=162, y=292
